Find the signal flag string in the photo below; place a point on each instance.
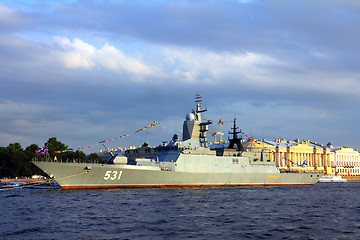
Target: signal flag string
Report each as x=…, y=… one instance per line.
x=113, y=139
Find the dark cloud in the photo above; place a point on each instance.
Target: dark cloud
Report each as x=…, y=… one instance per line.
x=92, y=70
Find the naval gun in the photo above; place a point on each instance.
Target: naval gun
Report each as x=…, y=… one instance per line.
x=115, y=158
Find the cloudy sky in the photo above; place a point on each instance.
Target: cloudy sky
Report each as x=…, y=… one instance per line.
x=86, y=71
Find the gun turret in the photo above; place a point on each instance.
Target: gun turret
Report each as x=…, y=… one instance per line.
x=108, y=150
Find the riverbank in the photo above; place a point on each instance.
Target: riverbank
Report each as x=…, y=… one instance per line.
x=352, y=178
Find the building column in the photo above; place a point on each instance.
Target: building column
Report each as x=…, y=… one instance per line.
x=276, y=157
x=297, y=158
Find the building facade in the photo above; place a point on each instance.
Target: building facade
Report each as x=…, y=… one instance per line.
x=345, y=161
x=294, y=155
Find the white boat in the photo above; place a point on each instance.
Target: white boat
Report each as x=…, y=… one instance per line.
x=332, y=178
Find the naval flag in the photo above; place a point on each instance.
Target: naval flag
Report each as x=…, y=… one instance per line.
x=42, y=151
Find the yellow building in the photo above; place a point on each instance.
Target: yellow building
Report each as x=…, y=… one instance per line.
x=345, y=161
x=294, y=155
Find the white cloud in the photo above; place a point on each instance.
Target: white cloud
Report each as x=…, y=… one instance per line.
x=79, y=54
x=185, y=76
x=160, y=64
x=11, y=108
x=112, y=58
x=193, y=65
x=5, y=13
x=181, y=64
x=7, y=16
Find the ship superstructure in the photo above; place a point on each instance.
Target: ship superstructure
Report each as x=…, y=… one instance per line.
x=180, y=163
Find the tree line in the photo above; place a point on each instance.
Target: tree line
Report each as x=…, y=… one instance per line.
x=16, y=161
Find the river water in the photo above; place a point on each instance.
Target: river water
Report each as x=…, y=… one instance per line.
x=320, y=211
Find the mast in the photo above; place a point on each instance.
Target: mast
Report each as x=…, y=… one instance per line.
x=199, y=110
x=235, y=140
x=203, y=125
x=220, y=133
x=194, y=128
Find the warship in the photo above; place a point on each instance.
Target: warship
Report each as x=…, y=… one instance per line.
x=189, y=162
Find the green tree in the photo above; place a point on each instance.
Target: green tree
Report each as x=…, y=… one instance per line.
x=14, y=162
x=30, y=153
x=81, y=156
x=93, y=157
x=78, y=156
x=4, y=159
x=54, y=145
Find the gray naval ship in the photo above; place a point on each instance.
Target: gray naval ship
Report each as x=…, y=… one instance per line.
x=186, y=163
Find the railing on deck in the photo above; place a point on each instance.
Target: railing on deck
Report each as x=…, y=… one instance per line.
x=65, y=161
x=299, y=171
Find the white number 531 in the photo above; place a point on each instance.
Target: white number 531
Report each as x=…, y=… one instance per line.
x=112, y=175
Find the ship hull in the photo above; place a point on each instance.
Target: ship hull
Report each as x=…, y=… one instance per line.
x=71, y=176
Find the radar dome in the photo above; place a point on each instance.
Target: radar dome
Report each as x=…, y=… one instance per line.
x=190, y=117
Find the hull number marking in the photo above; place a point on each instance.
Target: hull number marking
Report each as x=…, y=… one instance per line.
x=112, y=175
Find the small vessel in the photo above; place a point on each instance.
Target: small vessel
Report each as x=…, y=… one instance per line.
x=8, y=185
x=332, y=178
x=179, y=163
x=28, y=184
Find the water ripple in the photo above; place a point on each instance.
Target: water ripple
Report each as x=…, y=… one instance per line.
x=322, y=211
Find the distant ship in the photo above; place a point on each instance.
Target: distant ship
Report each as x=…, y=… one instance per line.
x=332, y=178
x=179, y=163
